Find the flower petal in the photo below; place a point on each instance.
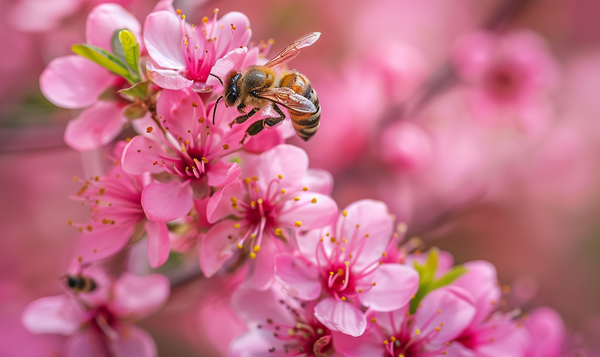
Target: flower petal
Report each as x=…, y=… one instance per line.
x=254, y=343
x=166, y=78
x=104, y=20
x=481, y=282
x=216, y=246
x=53, y=314
x=314, y=210
x=180, y=111
x=219, y=205
x=368, y=344
x=164, y=202
x=103, y=241
x=74, y=82
x=140, y=154
x=231, y=62
x=262, y=269
x=396, y=284
x=133, y=341
x=318, y=180
x=158, y=245
x=163, y=37
x=139, y=296
x=96, y=126
x=255, y=306
x=223, y=173
x=341, y=316
x=85, y=343
x=547, y=331
x=449, y=308
x=230, y=39
x=297, y=277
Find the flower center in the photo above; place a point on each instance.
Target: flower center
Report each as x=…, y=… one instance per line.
x=504, y=82
x=102, y=320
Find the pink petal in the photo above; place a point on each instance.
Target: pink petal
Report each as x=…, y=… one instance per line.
x=264, y=141
x=88, y=343
x=373, y=219
x=223, y=173
x=396, y=284
x=104, y=20
x=231, y=62
x=201, y=207
x=53, y=314
x=217, y=246
x=368, y=344
x=312, y=215
x=164, y=202
x=473, y=55
x=341, y=316
x=308, y=242
x=177, y=111
x=140, y=154
x=103, y=241
x=233, y=39
x=158, y=245
x=451, y=306
x=164, y=5
x=74, y=82
x=547, y=331
x=139, y=296
x=166, y=78
x=163, y=37
x=219, y=205
x=254, y=343
x=133, y=341
x=482, y=283
x=96, y=126
x=255, y=306
x=318, y=180
x=297, y=277
x=262, y=269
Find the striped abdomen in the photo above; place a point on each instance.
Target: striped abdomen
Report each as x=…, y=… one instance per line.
x=305, y=124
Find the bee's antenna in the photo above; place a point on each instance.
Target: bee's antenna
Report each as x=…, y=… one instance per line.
x=217, y=77
x=215, y=111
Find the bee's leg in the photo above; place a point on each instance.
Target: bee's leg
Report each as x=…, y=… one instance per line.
x=243, y=118
x=241, y=108
x=274, y=121
x=253, y=129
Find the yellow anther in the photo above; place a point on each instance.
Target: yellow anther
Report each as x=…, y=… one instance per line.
x=298, y=223
x=330, y=273
x=386, y=342
x=296, y=198
x=149, y=129
x=225, y=146
x=384, y=254
x=247, y=180
x=252, y=255
x=183, y=17
x=232, y=26
x=344, y=240
x=254, y=178
x=178, y=12
x=252, y=236
x=256, y=249
x=343, y=298
x=437, y=328
x=347, y=263
x=393, y=338
x=280, y=176
x=314, y=200
x=205, y=19
x=344, y=213
x=373, y=320
x=439, y=311
x=359, y=291
x=282, y=191
x=233, y=199
x=332, y=239
x=417, y=332
x=260, y=201
x=240, y=246
x=237, y=225
x=304, y=188
x=367, y=235
x=278, y=232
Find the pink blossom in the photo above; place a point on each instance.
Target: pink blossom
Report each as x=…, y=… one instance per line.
x=278, y=325
x=75, y=82
x=547, y=331
x=509, y=77
x=99, y=326
x=187, y=53
x=115, y=200
x=344, y=262
x=277, y=192
x=442, y=316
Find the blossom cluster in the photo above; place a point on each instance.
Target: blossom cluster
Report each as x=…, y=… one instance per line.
x=318, y=281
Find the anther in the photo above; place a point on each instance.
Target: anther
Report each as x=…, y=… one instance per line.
x=304, y=188
x=296, y=198
x=282, y=191
x=344, y=213
x=314, y=200
x=298, y=223
x=149, y=129
x=417, y=332
x=252, y=255
x=225, y=146
x=278, y=232
x=257, y=249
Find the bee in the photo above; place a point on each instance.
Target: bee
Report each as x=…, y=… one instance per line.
x=259, y=86
x=79, y=283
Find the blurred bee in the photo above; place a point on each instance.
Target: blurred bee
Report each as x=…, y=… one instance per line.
x=259, y=86
x=79, y=283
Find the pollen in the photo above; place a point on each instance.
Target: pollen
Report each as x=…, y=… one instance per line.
x=149, y=129
x=278, y=232
x=417, y=332
x=437, y=328
x=237, y=225
x=344, y=213
x=343, y=298
x=247, y=180
x=205, y=19
x=201, y=120
x=296, y=198
x=178, y=12
x=233, y=27
x=384, y=254
x=439, y=311
x=254, y=178
x=252, y=236
x=332, y=239
x=194, y=104
x=393, y=339
x=314, y=200
x=298, y=223
x=240, y=246
x=359, y=291
x=257, y=249
x=183, y=17
x=279, y=176
x=282, y=191
x=252, y=255
x=225, y=146
x=304, y=188
x=260, y=201
x=373, y=320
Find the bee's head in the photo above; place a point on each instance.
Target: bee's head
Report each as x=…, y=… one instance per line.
x=231, y=90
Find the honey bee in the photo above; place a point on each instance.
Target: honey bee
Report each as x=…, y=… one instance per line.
x=79, y=283
x=259, y=86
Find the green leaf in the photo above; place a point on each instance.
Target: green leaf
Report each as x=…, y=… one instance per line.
x=139, y=90
x=104, y=59
x=132, y=56
x=127, y=40
x=449, y=277
x=117, y=47
x=134, y=111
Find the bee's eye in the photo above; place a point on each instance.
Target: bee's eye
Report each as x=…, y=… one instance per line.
x=71, y=282
x=230, y=99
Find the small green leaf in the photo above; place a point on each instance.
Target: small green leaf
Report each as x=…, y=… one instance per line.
x=132, y=56
x=127, y=40
x=449, y=277
x=103, y=58
x=134, y=111
x=117, y=47
x=139, y=90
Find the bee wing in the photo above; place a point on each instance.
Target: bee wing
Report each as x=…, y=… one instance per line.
x=293, y=49
x=289, y=99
